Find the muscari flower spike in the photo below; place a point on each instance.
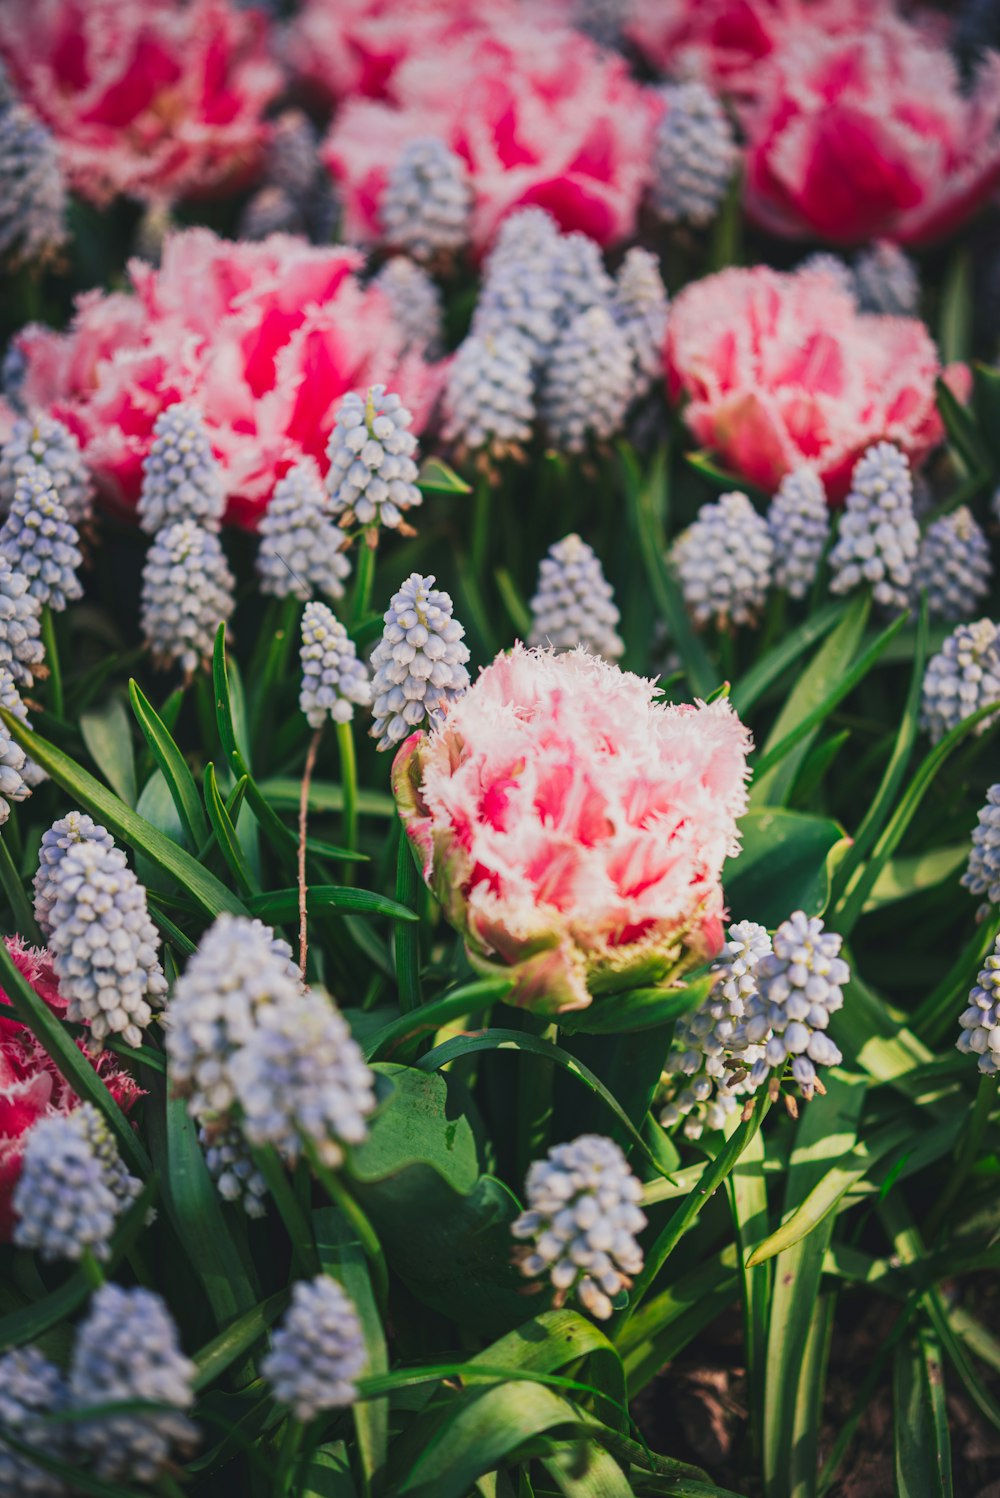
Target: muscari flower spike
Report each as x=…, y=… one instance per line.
x=334, y=681
x=105, y=948
x=372, y=475
x=300, y=551
x=427, y=201
x=10, y=698
x=582, y=1217
x=963, y=677
x=830, y=265
x=187, y=592
x=878, y=537
x=32, y=191
x=588, y=382
x=982, y=876
x=76, y=827
x=63, y=1203
x=181, y=477
x=43, y=441
x=640, y=309
x=724, y=562
x=579, y=277
x=317, y=1350
x=31, y=1388
x=694, y=156
x=419, y=665
x=799, y=985
x=702, y=1051
x=128, y=1349
x=416, y=305
x=231, y=1166
x=301, y=1078
x=39, y=540
x=21, y=650
x=799, y=522
x=574, y=603
x=886, y=280
x=14, y=775
x=489, y=403
x=980, y=1022
x=954, y=565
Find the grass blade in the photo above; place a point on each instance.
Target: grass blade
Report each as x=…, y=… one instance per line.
x=173, y=766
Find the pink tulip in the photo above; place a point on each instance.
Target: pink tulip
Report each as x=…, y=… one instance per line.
x=781, y=369
x=573, y=828
x=145, y=97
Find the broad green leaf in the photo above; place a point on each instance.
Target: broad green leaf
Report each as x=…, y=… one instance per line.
x=784, y=865
x=902, y=877
x=105, y=731
x=747, y=1188
x=173, y=766
x=59, y=1044
x=283, y=904
x=125, y=823
x=665, y=1324
x=584, y=1470
x=765, y=672
x=955, y=321
x=17, y=898
x=920, y=1423
x=327, y=1474
x=467, y=999
x=553, y=1340
x=637, y=1009
x=823, y=674
x=823, y=1136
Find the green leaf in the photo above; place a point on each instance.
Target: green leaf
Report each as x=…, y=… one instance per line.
x=173, y=766
x=120, y=819
x=584, y=1470
x=105, y=731
x=723, y=479
x=955, y=324
x=226, y=836
x=237, y=1338
x=517, y=610
x=963, y=433
x=324, y=797
x=902, y=877
x=435, y=477
x=282, y=904
x=648, y=501
x=823, y=673
x=784, y=865
x=986, y=405
x=468, y=999
x=637, y=1009
x=81, y=1076
x=826, y=1132
x=752, y=686
x=748, y=1200
x=327, y=1474
x=920, y=1423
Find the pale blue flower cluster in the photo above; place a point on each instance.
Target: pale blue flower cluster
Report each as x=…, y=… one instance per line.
x=127, y=1349
x=42, y=441
x=574, y=602
x=954, y=565
x=489, y=403
x=799, y=522
x=640, y=308
x=878, y=537
x=297, y=195
x=419, y=665
x=75, y=827
x=886, y=280
x=416, y=305
x=39, y=540
x=10, y=698
x=15, y=781
x=588, y=383
x=724, y=561
x=694, y=156
x=963, y=677
x=105, y=948
x=31, y=1388
x=980, y=1022
x=982, y=877
x=63, y=1203
x=334, y=681
x=317, y=1350
x=187, y=592
x=300, y=548
x=372, y=475
x=427, y=201
x=231, y=1166
x=581, y=1222
x=32, y=191
x=181, y=477
x=799, y=985
x=21, y=648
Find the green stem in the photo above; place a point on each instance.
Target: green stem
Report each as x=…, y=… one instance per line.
x=349, y=787
x=17, y=899
x=92, y=1271
x=52, y=661
x=727, y=653
x=407, y=933
x=169, y=1486
x=287, y=1203
x=342, y=1199
x=364, y=576
x=678, y=1224
x=288, y=1456
x=968, y=1149
x=480, y=528
x=307, y=775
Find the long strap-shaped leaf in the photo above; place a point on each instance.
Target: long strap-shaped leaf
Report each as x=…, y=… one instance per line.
x=120, y=819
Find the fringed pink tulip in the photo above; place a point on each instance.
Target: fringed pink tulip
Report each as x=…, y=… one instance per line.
x=573, y=828
x=777, y=370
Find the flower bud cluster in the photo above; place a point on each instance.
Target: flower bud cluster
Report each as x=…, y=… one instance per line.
x=373, y=470
x=419, y=664
x=724, y=561
x=317, y=1351
x=574, y=604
